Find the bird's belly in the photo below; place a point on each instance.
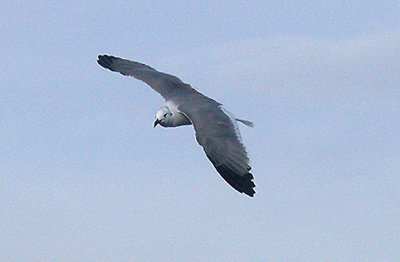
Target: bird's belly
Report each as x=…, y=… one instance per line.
x=179, y=119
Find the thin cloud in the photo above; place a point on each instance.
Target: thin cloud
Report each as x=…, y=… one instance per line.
x=304, y=65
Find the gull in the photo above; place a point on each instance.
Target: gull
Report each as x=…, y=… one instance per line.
x=216, y=129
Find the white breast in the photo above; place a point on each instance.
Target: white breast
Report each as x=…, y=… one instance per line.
x=177, y=118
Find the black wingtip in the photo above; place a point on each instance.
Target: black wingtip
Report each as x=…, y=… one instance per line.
x=102, y=60
x=106, y=61
x=242, y=183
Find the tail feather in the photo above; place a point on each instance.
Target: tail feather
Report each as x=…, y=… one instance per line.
x=246, y=122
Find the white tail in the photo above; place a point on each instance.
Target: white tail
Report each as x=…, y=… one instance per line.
x=246, y=122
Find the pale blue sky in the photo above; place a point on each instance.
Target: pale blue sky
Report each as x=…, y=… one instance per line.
x=85, y=177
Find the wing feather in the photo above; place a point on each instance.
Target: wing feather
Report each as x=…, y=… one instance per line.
x=216, y=133
x=165, y=84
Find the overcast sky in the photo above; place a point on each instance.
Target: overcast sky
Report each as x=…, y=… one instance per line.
x=85, y=177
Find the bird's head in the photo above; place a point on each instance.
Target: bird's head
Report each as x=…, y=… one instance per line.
x=163, y=116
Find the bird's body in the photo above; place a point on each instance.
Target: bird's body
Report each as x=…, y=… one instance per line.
x=170, y=116
x=216, y=129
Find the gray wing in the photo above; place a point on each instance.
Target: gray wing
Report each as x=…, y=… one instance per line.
x=167, y=85
x=216, y=133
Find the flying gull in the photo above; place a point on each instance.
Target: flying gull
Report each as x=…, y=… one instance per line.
x=216, y=129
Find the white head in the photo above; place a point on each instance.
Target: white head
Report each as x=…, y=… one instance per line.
x=163, y=117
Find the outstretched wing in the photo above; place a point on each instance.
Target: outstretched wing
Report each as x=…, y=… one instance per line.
x=215, y=130
x=216, y=133
x=167, y=85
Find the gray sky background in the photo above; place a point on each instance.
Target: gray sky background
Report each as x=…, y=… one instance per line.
x=85, y=177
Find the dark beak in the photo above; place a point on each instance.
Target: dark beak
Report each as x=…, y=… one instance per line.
x=156, y=122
